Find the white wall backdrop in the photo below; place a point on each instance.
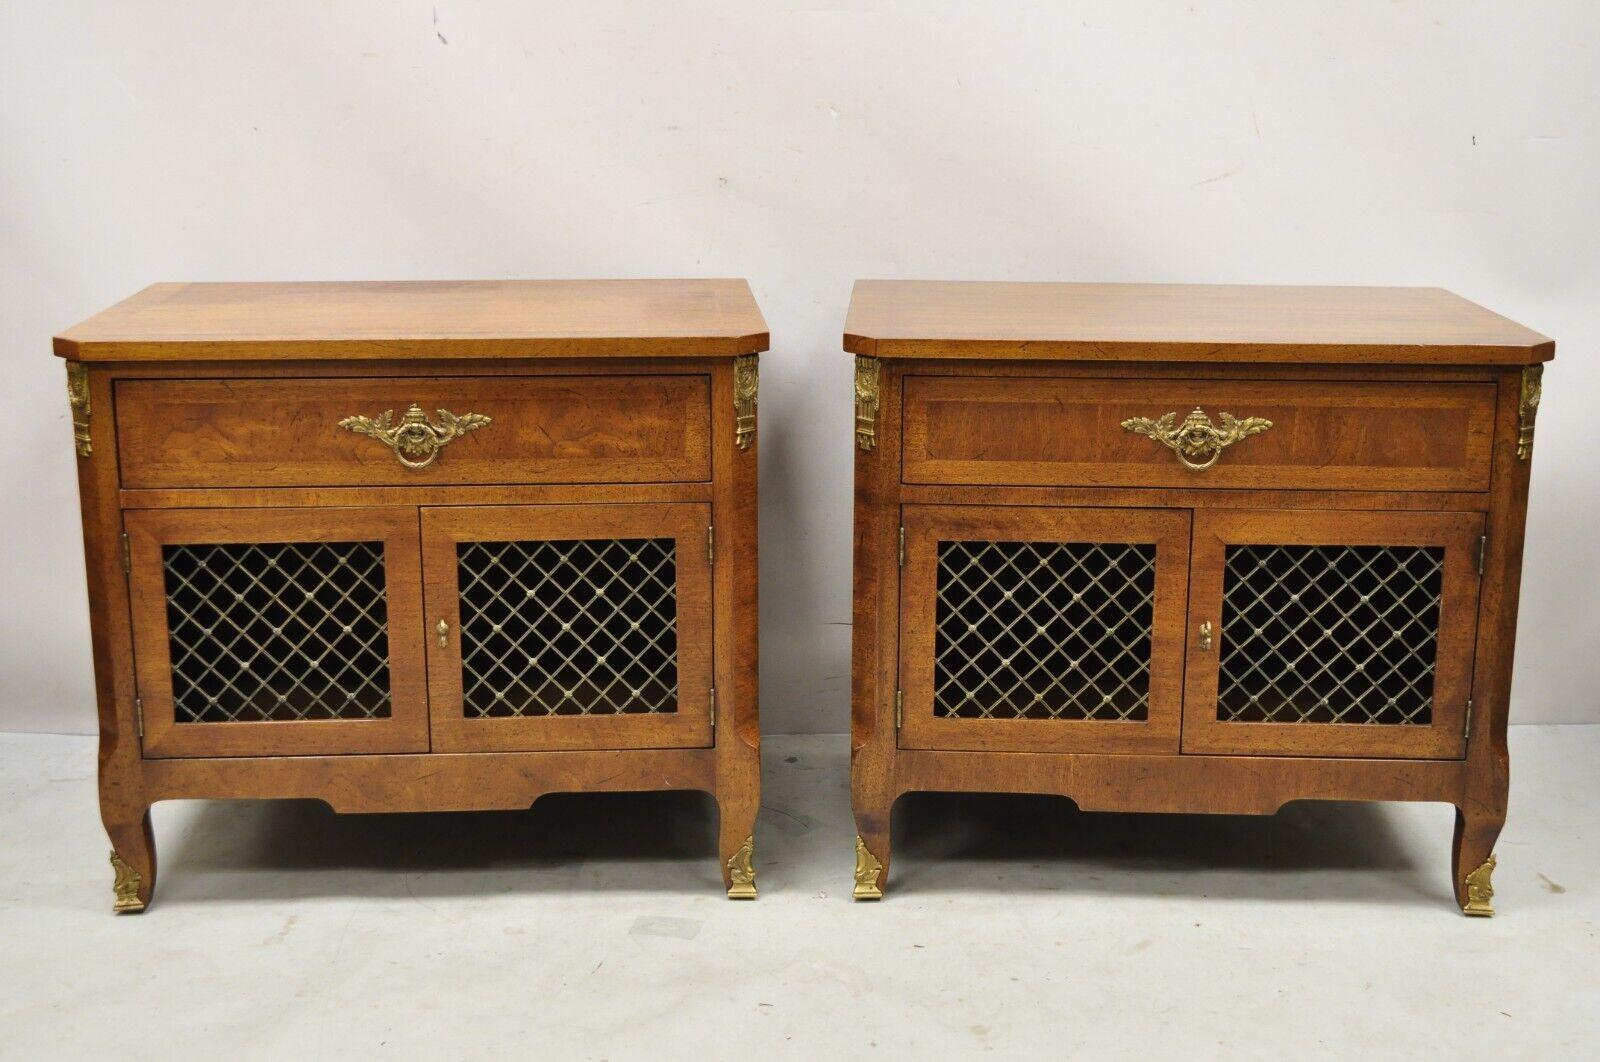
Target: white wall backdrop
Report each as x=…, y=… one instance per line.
x=799, y=145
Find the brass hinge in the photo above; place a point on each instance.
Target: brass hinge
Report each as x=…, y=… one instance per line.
x=1483, y=551
x=127, y=554
x=138, y=715
x=899, y=708
x=1468, y=733
x=711, y=545
x=902, y=547
x=713, y=709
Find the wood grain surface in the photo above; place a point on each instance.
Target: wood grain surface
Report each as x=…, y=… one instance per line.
x=286, y=432
x=436, y=319
x=1181, y=322
x=1325, y=435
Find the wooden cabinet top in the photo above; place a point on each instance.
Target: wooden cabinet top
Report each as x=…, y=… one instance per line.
x=1181, y=322
x=433, y=319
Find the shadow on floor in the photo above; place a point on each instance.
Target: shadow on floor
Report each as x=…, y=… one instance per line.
x=1309, y=849
x=265, y=847
x=666, y=843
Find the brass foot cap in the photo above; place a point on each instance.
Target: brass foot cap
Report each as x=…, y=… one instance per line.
x=1480, y=891
x=126, y=887
x=868, y=870
x=742, y=891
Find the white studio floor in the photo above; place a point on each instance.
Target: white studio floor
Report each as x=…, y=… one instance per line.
x=595, y=927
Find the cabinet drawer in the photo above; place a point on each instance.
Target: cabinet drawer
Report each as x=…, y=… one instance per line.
x=300, y=432
x=1322, y=435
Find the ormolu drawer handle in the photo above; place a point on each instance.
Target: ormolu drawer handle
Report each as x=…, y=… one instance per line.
x=1197, y=436
x=416, y=440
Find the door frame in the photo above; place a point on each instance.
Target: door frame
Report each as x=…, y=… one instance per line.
x=405, y=729
x=443, y=527
x=926, y=525
x=1443, y=738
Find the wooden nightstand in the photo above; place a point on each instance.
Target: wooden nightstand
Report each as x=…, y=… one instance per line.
x=420, y=546
x=1067, y=582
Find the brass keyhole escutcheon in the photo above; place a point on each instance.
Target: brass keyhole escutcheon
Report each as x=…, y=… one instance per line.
x=1205, y=637
x=443, y=630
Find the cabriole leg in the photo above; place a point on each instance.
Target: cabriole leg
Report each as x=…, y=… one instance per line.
x=133, y=860
x=736, y=843
x=872, y=854
x=1474, y=859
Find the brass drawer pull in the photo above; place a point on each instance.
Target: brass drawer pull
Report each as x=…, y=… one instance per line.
x=416, y=440
x=1197, y=436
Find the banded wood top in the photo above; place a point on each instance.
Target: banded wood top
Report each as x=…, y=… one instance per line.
x=1181, y=322
x=434, y=319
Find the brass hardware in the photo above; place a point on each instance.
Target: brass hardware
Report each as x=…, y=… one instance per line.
x=443, y=631
x=746, y=381
x=711, y=546
x=1197, y=436
x=1483, y=551
x=713, y=710
x=126, y=887
x=899, y=708
x=1205, y=637
x=138, y=716
x=1480, y=891
x=416, y=441
x=127, y=554
x=78, y=399
x=867, y=870
x=1467, y=732
x=867, y=387
x=1528, y=408
x=902, y=547
x=742, y=872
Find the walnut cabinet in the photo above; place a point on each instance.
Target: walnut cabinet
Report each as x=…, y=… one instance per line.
x=408, y=547
x=1187, y=549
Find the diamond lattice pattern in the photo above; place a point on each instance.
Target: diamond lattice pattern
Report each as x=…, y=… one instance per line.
x=1044, y=630
x=277, y=632
x=1329, y=634
x=574, y=627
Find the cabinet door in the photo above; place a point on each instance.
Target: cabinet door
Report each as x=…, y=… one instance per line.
x=568, y=626
x=1042, y=629
x=265, y=632
x=1331, y=634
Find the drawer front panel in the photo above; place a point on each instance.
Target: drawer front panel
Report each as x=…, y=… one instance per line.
x=1250, y=433
x=333, y=432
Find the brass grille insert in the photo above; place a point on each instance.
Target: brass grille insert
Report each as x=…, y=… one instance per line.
x=572, y=627
x=1330, y=634
x=275, y=632
x=1043, y=630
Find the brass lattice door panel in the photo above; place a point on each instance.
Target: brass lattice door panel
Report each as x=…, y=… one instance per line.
x=277, y=631
x=569, y=626
x=1331, y=634
x=1042, y=629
